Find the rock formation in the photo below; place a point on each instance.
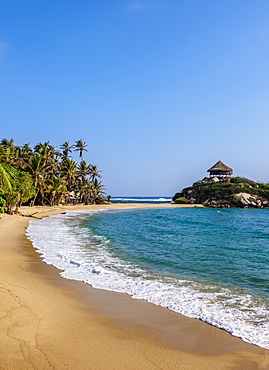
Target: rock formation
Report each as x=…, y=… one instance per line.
x=238, y=192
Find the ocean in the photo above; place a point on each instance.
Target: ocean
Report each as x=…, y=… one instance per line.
x=210, y=264
x=149, y=200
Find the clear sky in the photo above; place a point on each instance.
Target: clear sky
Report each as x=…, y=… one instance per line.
x=159, y=89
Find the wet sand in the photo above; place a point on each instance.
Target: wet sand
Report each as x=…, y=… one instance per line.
x=51, y=322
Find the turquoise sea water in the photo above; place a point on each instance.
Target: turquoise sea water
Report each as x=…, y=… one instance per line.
x=205, y=263
x=227, y=247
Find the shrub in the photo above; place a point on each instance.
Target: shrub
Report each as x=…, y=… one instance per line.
x=2, y=202
x=244, y=180
x=181, y=200
x=3, y=207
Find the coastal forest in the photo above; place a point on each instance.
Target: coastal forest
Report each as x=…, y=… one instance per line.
x=43, y=175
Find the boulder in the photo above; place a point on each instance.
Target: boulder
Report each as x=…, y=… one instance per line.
x=215, y=179
x=245, y=199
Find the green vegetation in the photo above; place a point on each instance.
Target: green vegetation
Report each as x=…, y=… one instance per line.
x=3, y=207
x=181, y=200
x=45, y=176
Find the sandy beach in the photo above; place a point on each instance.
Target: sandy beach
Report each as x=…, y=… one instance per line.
x=48, y=322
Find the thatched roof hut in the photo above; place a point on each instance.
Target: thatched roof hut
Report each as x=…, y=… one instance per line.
x=220, y=170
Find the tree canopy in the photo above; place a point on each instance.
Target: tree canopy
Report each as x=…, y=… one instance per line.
x=46, y=176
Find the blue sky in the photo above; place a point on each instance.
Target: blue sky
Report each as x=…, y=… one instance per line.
x=159, y=89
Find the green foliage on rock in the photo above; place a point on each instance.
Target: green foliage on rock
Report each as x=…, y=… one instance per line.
x=181, y=200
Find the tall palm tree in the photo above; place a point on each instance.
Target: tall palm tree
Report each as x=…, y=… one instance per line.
x=95, y=172
x=9, y=147
x=84, y=184
x=7, y=143
x=56, y=190
x=17, y=157
x=80, y=147
x=8, y=173
x=26, y=149
x=97, y=191
x=42, y=148
x=46, y=150
x=84, y=170
x=37, y=168
x=49, y=157
x=25, y=152
x=66, y=149
x=69, y=173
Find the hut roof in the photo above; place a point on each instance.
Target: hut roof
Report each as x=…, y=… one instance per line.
x=220, y=166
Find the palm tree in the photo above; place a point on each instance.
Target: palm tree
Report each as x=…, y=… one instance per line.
x=17, y=157
x=97, y=191
x=95, y=172
x=7, y=175
x=69, y=173
x=56, y=190
x=49, y=157
x=46, y=150
x=7, y=172
x=85, y=191
x=7, y=143
x=9, y=147
x=66, y=149
x=26, y=149
x=42, y=148
x=24, y=152
x=37, y=168
x=84, y=170
x=80, y=147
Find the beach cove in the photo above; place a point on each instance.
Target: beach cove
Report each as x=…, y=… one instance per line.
x=51, y=322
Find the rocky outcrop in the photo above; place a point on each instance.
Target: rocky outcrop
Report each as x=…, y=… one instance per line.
x=249, y=200
x=214, y=203
x=238, y=192
x=244, y=199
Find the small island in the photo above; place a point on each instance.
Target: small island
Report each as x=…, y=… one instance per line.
x=221, y=190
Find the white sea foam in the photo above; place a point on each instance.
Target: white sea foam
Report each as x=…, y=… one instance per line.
x=86, y=257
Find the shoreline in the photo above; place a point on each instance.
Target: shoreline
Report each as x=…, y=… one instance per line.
x=48, y=321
